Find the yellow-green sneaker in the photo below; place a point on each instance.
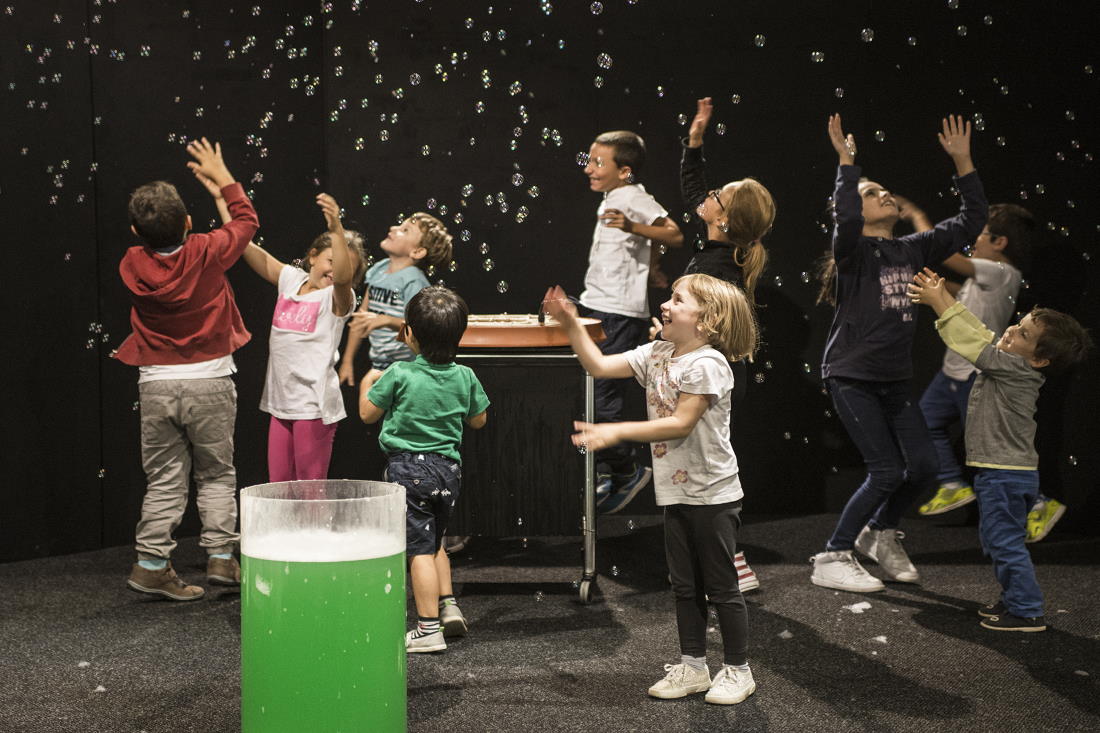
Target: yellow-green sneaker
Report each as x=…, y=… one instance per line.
x=947, y=499
x=1042, y=518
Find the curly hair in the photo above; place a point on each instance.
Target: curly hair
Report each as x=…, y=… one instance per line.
x=158, y=215
x=435, y=239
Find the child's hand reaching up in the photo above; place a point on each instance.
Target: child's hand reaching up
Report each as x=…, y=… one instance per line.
x=703, y=111
x=955, y=140
x=844, y=145
x=555, y=303
x=927, y=287
x=331, y=210
x=208, y=162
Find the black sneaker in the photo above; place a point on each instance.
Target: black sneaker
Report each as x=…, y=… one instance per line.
x=624, y=487
x=1009, y=622
x=992, y=609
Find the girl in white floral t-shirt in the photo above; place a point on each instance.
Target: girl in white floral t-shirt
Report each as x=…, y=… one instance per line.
x=688, y=381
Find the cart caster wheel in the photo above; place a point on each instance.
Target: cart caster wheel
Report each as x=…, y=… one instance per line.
x=586, y=590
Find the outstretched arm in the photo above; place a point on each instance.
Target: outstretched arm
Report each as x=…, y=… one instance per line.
x=693, y=176
x=595, y=362
x=261, y=261
x=689, y=408
x=663, y=230
x=955, y=140
x=343, y=297
x=847, y=206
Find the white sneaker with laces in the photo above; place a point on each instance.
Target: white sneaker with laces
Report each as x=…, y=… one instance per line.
x=730, y=687
x=427, y=643
x=451, y=620
x=681, y=681
x=840, y=570
x=884, y=547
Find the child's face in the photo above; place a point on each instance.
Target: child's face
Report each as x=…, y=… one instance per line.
x=603, y=174
x=714, y=207
x=879, y=206
x=680, y=316
x=1021, y=340
x=987, y=246
x=403, y=239
x=320, y=268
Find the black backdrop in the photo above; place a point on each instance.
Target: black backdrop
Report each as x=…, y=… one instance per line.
x=477, y=112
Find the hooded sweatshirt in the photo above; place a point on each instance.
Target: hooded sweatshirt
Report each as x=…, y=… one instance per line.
x=183, y=309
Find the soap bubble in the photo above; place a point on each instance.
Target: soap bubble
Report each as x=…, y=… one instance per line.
x=839, y=92
x=735, y=98
x=488, y=266
x=961, y=30
x=596, y=8
x=720, y=128
x=880, y=136
x=502, y=287
x=760, y=40
x=817, y=57
x=603, y=61
x=867, y=35
x=911, y=40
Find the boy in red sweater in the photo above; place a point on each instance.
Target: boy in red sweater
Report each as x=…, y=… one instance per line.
x=186, y=327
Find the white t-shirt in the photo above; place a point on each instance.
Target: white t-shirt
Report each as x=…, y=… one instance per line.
x=991, y=296
x=301, y=382
x=223, y=366
x=618, y=263
x=701, y=468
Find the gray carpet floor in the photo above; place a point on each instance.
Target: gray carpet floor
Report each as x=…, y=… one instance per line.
x=78, y=652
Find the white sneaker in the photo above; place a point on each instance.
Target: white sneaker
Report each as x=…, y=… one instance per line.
x=428, y=643
x=452, y=620
x=840, y=570
x=884, y=547
x=730, y=687
x=681, y=681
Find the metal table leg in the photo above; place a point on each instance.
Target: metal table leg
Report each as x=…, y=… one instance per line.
x=588, y=524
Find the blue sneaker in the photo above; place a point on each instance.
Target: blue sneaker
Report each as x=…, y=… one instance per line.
x=624, y=487
x=603, y=487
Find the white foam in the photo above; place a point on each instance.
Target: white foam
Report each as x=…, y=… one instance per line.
x=318, y=545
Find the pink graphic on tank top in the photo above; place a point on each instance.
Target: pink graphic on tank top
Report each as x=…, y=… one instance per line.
x=296, y=315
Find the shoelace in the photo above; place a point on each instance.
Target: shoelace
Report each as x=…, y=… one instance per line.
x=676, y=672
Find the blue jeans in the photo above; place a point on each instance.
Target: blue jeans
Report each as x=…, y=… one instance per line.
x=890, y=433
x=944, y=404
x=1004, y=498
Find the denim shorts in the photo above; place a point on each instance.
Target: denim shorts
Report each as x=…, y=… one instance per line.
x=431, y=484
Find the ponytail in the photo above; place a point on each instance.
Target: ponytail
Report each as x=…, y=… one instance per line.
x=825, y=269
x=751, y=258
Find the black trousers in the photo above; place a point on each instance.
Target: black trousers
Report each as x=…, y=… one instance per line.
x=700, y=542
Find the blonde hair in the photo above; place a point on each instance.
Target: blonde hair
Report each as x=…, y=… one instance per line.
x=726, y=316
x=434, y=238
x=749, y=216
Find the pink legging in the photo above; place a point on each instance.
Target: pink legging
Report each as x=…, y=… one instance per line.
x=299, y=449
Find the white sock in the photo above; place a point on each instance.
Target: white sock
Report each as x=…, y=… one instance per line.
x=696, y=663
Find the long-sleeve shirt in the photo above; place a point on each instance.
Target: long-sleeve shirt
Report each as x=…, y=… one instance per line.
x=714, y=258
x=1000, y=416
x=871, y=337
x=183, y=309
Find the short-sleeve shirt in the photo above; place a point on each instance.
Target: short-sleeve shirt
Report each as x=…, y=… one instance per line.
x=426, y=406
x=991, y=296
x=301, y=381
x=388, y=293
x=700, y=468
x=617, y=279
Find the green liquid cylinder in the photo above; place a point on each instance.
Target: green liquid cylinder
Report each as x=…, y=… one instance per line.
x=322, y=630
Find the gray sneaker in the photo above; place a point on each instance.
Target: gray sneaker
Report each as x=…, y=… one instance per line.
x=884, y=547
x=681, y=681
x=840, y=570
x=428, y=643
x=452, y=620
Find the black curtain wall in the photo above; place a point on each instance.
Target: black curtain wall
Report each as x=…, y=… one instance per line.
x=479, y=113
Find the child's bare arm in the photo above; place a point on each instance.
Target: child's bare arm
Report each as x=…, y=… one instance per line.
x=477, y=422
x=961, y=264
x=663, y=230
x=689, y=408
x=369, y=412
x=955, y=140
x=216, y=193
x=343, y=297
x=263, y=263
x=595, y=362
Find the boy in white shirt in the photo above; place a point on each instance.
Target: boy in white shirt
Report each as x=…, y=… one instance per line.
x=628, y=222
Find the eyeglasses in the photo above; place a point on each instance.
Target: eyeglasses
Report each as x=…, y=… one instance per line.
x=718, y=199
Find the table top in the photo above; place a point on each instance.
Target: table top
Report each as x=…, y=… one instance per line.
x=521, y=330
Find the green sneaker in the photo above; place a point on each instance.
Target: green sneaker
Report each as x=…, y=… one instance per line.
x=947, y=499
x=1042, y=518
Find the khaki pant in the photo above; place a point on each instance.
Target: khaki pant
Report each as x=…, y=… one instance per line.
x=187, y=429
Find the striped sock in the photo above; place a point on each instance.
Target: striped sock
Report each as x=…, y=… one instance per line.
x=426, y=626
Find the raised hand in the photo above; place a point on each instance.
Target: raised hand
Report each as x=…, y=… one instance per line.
x=208, y=161
x=555, y=303
x=212, y=188
x=955, y=140
x=844, y=145
x=927, y=287
x=703, y=111
x=331, y=210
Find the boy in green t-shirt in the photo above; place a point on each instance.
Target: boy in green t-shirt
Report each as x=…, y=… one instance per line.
x=425, y=403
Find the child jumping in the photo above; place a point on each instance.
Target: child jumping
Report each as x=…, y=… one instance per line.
x=418, y=244
x=301, y=388
x=688, y=382
x=186, y=327
x=867, y=363
x=993, y=277
x=426, y=403
x=736, y=217
x=628, y=220
x=1000, y=434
